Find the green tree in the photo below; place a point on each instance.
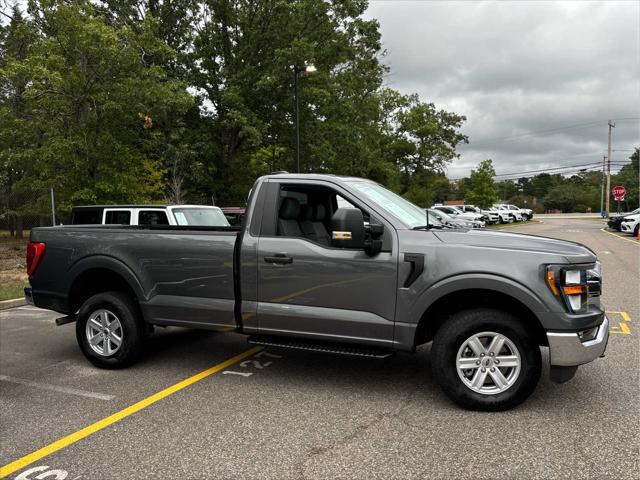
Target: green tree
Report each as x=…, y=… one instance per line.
x=192, y=99
x=98, y=110
x=567, y=198
x=628, y=177
x=482, y=192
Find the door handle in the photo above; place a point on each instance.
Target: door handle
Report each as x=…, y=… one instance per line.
x=280, y=258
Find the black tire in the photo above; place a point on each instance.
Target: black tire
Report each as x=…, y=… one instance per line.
x=635, y=230
x=132, y=332
x=455, y=332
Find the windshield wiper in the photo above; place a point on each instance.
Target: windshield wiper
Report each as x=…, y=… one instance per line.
x=427, y=227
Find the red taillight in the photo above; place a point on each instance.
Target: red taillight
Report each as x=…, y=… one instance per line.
x=35, y=252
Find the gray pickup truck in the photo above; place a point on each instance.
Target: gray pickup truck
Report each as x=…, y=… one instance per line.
x=334, y=264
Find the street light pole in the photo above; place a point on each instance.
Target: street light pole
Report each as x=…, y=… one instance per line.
x=296, y=109
x=297, y=71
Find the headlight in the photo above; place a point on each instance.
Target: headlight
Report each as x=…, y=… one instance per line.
x=574, y=285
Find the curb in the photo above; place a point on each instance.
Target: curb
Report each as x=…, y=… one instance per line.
x=628, y=239
x=16, y=302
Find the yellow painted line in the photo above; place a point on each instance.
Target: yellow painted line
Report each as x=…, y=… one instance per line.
x=618, y=236
x=116, y=417
x=625, y=316
x=624, y=329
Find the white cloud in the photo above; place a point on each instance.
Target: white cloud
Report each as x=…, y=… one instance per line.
x=514, y=68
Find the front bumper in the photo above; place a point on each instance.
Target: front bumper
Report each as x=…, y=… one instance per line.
x=566, y=349
x=626, y=227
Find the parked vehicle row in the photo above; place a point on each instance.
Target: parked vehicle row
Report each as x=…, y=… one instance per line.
x=479, y=218
x=473, y=218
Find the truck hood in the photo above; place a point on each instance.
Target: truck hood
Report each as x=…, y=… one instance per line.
x=573, y=252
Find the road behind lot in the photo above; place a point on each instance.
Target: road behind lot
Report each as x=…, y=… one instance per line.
x=314, y=416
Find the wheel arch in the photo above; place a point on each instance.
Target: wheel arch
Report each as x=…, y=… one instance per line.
x=101, y=274
x=489, y=291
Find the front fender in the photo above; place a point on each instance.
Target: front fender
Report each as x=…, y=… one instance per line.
x=412, y=305
x=477, y=281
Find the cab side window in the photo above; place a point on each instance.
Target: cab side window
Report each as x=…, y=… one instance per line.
x=307, y=212
x=152, y=217
x=117, y=217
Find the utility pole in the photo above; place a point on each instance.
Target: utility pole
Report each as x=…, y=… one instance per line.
x=602, y=213
x=608, y=196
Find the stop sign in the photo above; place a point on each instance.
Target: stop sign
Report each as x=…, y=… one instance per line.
x=618, y=193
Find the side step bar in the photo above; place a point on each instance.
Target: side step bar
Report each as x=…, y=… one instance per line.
x=322, y=347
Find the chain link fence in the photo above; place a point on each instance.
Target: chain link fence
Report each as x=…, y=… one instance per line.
x=21, y=209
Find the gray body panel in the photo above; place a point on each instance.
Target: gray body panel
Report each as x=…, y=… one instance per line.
x=190, y=278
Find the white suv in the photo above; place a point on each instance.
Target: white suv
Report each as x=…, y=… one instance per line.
x=452, y=210
x=630, y=224
x=196, y=215
x=487, y=215
x=513, y=210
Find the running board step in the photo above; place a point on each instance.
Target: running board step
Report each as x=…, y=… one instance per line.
x=335, y=348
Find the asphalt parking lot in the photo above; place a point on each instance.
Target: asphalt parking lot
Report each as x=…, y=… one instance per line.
x=284, y=414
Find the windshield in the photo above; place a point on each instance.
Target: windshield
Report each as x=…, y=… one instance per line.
x=441, y=216
x=203, y=217
x=405, y=211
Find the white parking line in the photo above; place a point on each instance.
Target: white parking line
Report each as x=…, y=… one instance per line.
x=56, y=388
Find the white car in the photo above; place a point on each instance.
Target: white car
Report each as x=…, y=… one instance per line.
x=505, y=215
x=527, y=212
x=513, y=210
x=630, y=224
x=453, y=221
x=455, y=211
x=488, y=216
x=502, y=216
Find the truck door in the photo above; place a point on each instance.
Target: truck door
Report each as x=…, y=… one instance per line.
x=307, y=287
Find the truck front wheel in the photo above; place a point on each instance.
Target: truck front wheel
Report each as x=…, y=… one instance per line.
x=109, y=330
x=485, y=359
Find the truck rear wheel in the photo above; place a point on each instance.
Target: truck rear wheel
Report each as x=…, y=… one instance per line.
x=109, y=330
x=485, y=359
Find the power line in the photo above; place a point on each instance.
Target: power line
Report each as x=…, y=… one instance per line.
x=553, y=170
x=489, y=141
x=573, y=171
x=547, y=169
x=577, y=126
x=557, y=170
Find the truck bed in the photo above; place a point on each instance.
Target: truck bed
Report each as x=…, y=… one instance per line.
x=182, y=275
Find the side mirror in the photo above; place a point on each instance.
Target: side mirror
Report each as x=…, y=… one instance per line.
x=373, y=242
x=347, y=228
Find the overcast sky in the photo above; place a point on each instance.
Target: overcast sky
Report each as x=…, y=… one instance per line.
x=518, y=68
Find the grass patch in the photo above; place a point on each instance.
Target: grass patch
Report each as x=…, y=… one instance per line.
x=11, y=288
